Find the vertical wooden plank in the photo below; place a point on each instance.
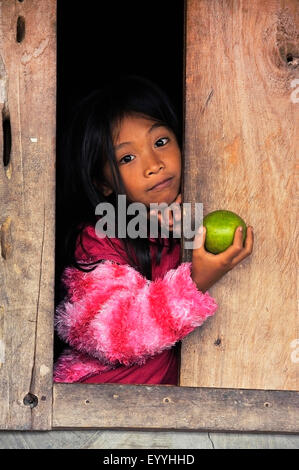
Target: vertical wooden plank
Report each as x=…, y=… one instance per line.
x=241, y=137
x=27, y=209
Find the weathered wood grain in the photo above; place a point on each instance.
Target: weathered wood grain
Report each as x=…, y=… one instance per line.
x=241, y=138
x=174, y=408
x=27, y=212
x=232, y=149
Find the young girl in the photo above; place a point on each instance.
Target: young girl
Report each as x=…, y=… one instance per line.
x=127, y=302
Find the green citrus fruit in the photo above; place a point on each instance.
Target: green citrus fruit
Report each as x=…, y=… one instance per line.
x=220, y=230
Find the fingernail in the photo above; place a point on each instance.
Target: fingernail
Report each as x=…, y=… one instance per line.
x=241, y=229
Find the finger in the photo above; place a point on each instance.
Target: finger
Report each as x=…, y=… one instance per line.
x=170, y=216
x=177, y=212
x=249, y=240
x=165, y=218
x=153, y=214
x=167, y=215
x=176, y=208
x=156, y=213
x=237, y=246
x=200, y=238
x=179, y=199
x=248, y=247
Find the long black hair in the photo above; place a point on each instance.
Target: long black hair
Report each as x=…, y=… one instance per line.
x=88, y=145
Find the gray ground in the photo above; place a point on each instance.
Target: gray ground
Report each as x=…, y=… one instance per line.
x=144, y=440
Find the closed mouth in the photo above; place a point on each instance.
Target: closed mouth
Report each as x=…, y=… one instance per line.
x=161, y=182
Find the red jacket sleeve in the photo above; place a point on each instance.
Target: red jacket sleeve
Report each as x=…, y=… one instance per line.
x=116, y=315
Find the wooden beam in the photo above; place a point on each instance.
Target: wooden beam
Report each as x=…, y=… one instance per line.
x=159, y=407
x=27, y=211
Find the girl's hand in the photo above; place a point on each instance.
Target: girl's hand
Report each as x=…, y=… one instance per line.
x=208, y=268
x=166, y=214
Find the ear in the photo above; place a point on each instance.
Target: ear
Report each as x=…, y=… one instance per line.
x=104, y=188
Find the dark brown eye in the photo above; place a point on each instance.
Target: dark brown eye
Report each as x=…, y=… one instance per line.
x=161, y=142
x=126, y=156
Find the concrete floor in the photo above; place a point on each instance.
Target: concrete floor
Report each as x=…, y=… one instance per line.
x=144, y=440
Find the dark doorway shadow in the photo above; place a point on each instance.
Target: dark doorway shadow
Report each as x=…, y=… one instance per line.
x=99, y=41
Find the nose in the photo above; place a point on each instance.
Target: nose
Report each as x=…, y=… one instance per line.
x=153, y=164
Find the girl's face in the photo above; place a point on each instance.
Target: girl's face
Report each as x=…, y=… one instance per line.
x=147, y=153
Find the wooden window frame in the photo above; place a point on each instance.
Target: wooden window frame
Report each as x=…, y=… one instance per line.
x=27, y=228
x=162, y=407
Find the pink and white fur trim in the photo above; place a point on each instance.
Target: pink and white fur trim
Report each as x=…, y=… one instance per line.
x=117, y=316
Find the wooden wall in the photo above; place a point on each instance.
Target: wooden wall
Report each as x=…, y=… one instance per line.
x=241, y=140
x=27, y=211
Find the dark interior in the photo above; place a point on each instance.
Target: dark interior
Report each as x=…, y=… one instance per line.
x=98, y=41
